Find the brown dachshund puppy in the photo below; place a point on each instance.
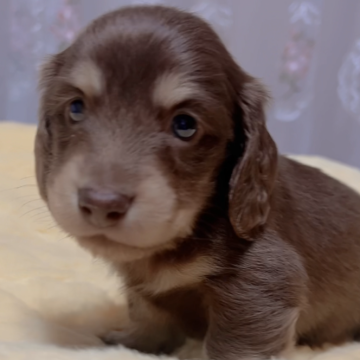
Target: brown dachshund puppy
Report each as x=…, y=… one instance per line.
x=152, y=151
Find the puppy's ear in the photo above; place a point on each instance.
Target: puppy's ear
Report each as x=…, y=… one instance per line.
x=254, y=174
x=47, y=74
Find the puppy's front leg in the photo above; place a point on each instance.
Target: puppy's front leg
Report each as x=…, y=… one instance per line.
x=249, y=329
x=253, y=314
x=151, y=330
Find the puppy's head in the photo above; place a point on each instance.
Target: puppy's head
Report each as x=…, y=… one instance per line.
x=137, y=118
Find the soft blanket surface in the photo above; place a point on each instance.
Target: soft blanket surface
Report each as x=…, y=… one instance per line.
x=55, y=299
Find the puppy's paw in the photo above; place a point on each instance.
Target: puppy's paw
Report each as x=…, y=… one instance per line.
x=117, y=337
x=146, y=342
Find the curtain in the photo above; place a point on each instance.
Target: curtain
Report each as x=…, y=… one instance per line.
x=307, y=52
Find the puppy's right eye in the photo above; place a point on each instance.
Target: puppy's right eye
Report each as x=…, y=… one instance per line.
x=77, y=110
x=184, y=126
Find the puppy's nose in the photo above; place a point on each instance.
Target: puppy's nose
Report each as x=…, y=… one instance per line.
x=102, y=208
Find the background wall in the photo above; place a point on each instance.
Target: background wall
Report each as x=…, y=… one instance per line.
x=306, y=51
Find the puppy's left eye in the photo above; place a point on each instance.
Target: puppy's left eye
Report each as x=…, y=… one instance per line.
x=184, y=126
x=77, y=110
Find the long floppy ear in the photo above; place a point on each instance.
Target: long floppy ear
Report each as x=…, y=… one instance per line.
x=47, y=73
x=254, y=174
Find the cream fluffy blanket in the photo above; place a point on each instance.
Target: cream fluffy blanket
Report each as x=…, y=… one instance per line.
x=54, y=298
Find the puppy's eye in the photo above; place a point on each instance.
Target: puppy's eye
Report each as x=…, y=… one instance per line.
x=184, y=126
x=77, y=110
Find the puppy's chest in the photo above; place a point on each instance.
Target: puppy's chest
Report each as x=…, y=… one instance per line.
x=188, y=307
x=154, y=278
x=176, y=288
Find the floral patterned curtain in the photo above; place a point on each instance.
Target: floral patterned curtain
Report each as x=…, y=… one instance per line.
x=306, y=51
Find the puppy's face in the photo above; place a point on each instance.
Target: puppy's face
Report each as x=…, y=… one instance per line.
x=135, y=121
x=134, y=125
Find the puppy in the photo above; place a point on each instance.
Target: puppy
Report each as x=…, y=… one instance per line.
x=152, y=152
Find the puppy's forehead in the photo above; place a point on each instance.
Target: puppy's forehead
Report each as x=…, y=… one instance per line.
x=126, y=70
x=133, y=73
x=146, y=54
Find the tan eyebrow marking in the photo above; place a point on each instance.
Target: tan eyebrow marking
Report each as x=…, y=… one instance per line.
x=173, y=88
x=87, y=77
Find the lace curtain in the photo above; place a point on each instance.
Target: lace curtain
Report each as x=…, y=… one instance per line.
x=307, y=52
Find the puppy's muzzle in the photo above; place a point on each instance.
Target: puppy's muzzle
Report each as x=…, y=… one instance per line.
x=103, y=208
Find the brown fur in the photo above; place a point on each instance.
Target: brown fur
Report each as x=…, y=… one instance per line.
x=227, y=240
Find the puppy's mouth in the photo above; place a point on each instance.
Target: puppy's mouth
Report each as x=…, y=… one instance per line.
x=104, y=240
x=139, y=216
x=102, y=246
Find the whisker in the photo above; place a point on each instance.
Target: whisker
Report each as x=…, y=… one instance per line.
x=27, y=177
x=65, y=237
x=30, y=211
x=18, y=187
x=53, y=226
x=23, y=186
x=26, y=196
x=27, y=203
x=36, y=218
